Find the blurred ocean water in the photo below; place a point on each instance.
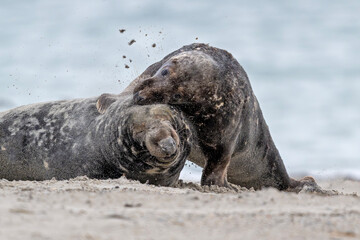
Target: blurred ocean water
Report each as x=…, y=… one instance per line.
x=302, y=58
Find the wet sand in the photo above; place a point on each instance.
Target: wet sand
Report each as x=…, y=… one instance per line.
x=89, y=209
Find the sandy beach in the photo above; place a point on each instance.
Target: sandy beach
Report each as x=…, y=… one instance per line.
x=90, y=209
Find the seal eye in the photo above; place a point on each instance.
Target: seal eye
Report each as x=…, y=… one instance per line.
x=164, y=72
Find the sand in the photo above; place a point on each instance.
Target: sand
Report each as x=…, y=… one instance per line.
x=88, y=209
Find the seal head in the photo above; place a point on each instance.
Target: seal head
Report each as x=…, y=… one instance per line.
x=156, y=141
x=156, y=133
x=180, y=81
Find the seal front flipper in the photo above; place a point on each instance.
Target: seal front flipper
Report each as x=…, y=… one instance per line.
x=104, y=101
x=215, y=169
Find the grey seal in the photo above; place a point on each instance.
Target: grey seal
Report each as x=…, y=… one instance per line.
x=65, y=139
x=213, y=90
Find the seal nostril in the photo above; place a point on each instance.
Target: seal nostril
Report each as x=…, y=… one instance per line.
x=176, y=96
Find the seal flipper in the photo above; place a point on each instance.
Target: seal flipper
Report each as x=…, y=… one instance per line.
x=215, y=169
x=104, y=101
x=307, y=184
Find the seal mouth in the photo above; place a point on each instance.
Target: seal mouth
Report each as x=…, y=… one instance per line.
x=140, y=98
x=168, y=159
x=137, y=98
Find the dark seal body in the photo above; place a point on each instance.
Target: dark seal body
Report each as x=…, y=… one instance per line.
x=214, y=92
x=66, y=139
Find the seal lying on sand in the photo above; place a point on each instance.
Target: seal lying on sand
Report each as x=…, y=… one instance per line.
x=214, y=92
x=66, y=139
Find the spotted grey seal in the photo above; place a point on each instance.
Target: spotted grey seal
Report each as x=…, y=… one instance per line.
x=213, y=90
x=65, y=139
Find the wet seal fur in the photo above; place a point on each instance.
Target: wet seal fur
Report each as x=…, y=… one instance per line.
x=66, y=139
x=214, y=92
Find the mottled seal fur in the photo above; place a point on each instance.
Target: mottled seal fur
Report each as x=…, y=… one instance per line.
x=66, y=139
x=213, y=90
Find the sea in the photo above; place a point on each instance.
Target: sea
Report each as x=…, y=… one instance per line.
x=302, y=58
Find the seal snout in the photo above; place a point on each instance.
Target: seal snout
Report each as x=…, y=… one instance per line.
x=151, y=90
x=168, y=146
x=138, y=94
x=138, y=98
x=162, y=142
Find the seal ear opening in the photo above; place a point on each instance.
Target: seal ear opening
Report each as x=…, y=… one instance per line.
x=104, y=101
